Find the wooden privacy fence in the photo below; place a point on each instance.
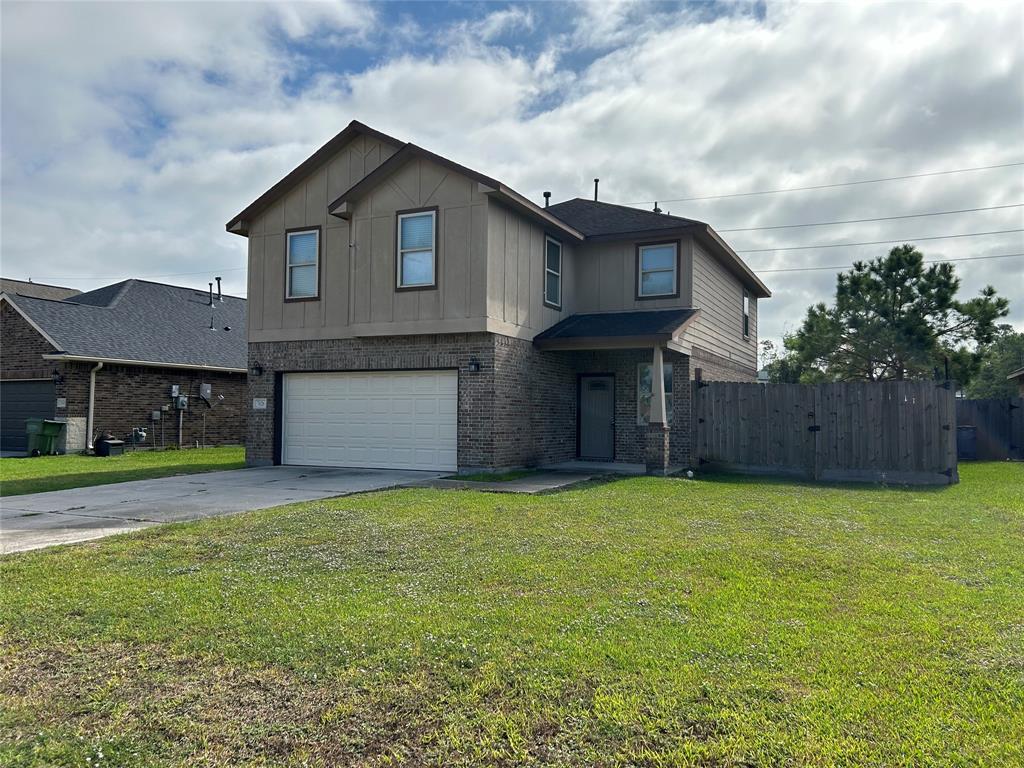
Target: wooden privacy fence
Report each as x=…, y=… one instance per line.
x=896, y=432
x=998, y=428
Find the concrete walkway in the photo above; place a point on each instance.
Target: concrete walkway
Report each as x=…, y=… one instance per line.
x=79, y=514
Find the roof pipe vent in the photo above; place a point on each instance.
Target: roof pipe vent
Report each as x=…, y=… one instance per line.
x=596, y=182
x=547, y=199
x=211, y=294
x=220, y=296
x=656, y=208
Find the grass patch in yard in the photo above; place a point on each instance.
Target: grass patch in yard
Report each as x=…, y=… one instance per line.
x=55, y=473
x=641, y=622
x=495, y=477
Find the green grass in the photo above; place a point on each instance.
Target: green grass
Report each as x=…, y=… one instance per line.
x=642, y=622
x=55, y=473
x=495, y=477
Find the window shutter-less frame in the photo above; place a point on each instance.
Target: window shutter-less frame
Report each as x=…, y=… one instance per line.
x=552, y=273
x=657, y=270
x=303, y=264
x=416, y=257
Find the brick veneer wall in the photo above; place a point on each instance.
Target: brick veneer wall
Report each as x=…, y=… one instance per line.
x=518, y=410
x=630, y=436
x=127, y=395
x=717, y=368
x=21, y=348
x=476, y=435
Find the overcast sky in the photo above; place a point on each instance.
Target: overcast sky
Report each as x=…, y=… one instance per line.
x=132, y=132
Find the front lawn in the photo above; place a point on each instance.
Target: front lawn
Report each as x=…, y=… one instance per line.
x=644, y=622
x=55, y=473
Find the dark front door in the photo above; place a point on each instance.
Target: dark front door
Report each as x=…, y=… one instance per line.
x=20, y=400
x=597, y=417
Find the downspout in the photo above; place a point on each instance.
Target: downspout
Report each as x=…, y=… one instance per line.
x=92, y=404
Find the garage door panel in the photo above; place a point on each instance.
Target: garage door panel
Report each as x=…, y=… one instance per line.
x=399, y=419
x=21, y=400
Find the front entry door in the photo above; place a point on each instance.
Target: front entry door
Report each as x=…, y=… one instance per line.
x=597, y=417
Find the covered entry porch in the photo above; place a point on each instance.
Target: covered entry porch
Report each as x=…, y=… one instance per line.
x=632, y=398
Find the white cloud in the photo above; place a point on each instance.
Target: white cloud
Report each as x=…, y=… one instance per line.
x=503, y=22
x=141, y=129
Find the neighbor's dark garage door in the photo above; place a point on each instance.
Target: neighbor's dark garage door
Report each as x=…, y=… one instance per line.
x=20, y=400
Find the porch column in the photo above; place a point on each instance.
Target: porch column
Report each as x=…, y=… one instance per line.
x=657, y=427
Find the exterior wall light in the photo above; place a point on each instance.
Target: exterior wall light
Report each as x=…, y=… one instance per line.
x=474, y=366
x=256, y=369
x=56, y=376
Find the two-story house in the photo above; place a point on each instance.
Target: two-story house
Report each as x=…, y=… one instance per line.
x=408, y=312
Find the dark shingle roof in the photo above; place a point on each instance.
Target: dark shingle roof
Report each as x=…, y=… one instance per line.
x=594, y=218
x=146, y=322
x=658, y=322
x=39, y=290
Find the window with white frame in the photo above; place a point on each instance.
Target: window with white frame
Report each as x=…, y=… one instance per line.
x=416, y=257
x=746, y=314
x=656, y=272
x=644, y=392
x=552, y=273
x=303, y=264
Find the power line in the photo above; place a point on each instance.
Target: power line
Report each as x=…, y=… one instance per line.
x=209, y=271
x=880, y=218
x=829, y=186
x=931, y=261
x=879, y=242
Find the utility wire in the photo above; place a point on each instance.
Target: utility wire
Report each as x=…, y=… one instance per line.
x=880, y=218
x=828, y=186
x=210, y=271
x=878, y=242
x=930, y=261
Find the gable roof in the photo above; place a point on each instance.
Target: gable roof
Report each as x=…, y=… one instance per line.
x=238, y=223
x=581, y=220
x=490, y=186
x=136, y=321
x=39, y=290
x=608, y=221
x=596, y=219
x=1018, y=374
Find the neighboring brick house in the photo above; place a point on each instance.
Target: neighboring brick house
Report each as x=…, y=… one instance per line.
x=408, y=312
x=121, y=348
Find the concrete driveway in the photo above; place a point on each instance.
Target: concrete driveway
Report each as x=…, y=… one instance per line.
x=60, y=517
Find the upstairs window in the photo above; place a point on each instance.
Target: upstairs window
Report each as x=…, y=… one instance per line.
x=552, y=273
x=644, y=392
x=417, y=249
x=746, y=315
x=657, y=270
x=303, y=264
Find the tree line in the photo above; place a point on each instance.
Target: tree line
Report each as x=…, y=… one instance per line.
x=894, y=318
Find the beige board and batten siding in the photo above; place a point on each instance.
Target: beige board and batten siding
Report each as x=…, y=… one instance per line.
x=458, y=296
x=270, y=317
x=516, y=248
x=607, y=279
x=718, y=293
x=357, y=256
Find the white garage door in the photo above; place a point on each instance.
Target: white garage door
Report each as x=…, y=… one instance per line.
x=392, y=419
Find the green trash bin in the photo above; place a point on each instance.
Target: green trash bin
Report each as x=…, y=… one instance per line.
x=34, y=431
x=49, y=434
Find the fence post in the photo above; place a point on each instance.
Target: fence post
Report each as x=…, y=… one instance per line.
x=817, y=461
x=695, y=425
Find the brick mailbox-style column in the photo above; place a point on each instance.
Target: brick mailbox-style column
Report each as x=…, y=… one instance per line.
x=657, y=449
